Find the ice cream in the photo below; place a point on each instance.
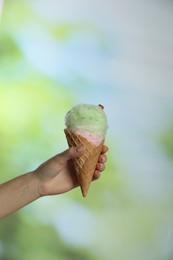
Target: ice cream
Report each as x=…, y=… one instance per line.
x=89, y=121
x=86, y=125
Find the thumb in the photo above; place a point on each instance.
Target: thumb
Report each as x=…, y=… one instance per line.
x=71, y=153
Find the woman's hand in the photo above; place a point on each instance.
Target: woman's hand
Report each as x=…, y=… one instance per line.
x=56, y=175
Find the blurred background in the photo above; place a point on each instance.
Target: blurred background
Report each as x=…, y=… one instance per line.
x=54, y=55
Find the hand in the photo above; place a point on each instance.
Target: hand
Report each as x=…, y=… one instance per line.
x=57, y=175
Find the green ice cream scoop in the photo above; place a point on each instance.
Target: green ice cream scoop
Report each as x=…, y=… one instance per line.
x=86, y=117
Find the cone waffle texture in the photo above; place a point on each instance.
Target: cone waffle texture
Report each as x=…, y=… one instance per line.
x=85, y=164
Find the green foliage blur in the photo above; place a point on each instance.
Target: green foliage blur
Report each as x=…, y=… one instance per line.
x=32, y=109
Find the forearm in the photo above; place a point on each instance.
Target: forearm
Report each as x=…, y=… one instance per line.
x=17, y=193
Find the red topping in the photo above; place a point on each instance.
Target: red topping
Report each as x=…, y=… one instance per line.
x=102, y=107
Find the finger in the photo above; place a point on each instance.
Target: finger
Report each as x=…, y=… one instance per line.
x=100, y=167
x=102, y=158
x=96, y=175
x=71, y=153
x=104, y=149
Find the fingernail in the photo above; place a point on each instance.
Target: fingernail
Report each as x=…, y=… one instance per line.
x=97, y=174
x=102, y=160
x=80, y=149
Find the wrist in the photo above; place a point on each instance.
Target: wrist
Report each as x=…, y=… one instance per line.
x=34, y=184
x=40, y=184
x=17, y=193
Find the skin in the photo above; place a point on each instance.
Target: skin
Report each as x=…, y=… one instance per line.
x=53, y=177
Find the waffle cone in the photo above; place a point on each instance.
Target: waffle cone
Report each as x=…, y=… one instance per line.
x=84, y=165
